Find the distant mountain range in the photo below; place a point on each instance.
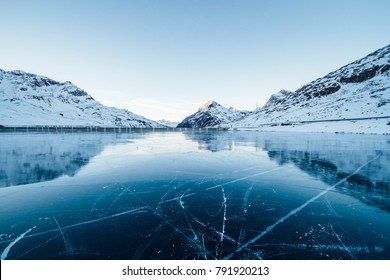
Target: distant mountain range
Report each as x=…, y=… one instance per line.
x=358, y=90
x=28, y=99
x=168, y=123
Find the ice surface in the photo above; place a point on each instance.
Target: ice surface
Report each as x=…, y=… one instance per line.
x=216, y=195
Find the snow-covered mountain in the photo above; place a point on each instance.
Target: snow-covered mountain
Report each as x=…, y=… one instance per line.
x=28, y=99
x=212, y=114
x=358, y=90
x=168, y=123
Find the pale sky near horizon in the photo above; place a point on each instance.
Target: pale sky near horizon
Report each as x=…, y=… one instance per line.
x=166, y=58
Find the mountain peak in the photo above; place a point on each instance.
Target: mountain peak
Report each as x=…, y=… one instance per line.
x=277, y=98
x=209, y=104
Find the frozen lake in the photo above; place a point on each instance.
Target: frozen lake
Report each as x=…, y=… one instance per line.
x=194, y=195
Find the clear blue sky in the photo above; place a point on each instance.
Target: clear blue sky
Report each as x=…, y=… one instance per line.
x=164, y=59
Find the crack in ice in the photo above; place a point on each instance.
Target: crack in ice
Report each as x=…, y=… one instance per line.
x=186, y=217
x=204, y=248
x=244, y=178
x=63, y=236
x=137, y=210
x=4, y=255
x=245, y=210
x=342, y=243
x=224, y=215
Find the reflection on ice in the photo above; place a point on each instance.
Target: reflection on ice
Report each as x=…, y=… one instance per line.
x=329, y=158
x=30, y=158
x=163, y=196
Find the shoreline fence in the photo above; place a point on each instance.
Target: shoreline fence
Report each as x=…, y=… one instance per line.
x=99, y=129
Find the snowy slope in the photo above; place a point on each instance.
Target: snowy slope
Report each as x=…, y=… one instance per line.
x=212, y=114
x=358, y=90
x=28, y=99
